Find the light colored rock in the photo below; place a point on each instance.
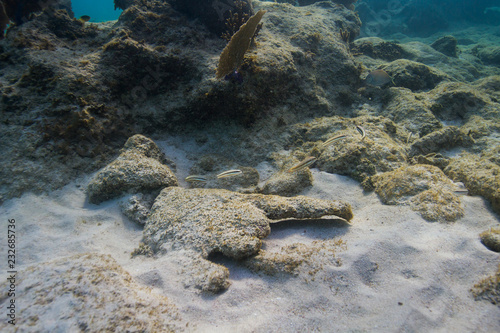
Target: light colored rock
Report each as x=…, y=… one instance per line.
x=424, y=187
x=88, y=292
x=380, y=151
x=479, y=175
x=205, y=222
x=138, y=168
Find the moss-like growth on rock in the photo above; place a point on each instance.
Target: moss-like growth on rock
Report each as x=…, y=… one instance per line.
x=491, y=239
x=424, y=187
x=480, y=176
x=488, y=289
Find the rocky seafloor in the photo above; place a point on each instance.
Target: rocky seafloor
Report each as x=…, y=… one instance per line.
x=101, y=123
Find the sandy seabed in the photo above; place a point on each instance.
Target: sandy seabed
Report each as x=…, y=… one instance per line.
x=398, y=272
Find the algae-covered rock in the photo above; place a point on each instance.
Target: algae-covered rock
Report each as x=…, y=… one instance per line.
x=488, y=289
x=453, y=100
x=410, y=111
x=445, y=138
x=415, y=76
x=480, y=176
x=211, y=221
x=488, y=54
x=424, y=187
x=446, y=45
x=378, y=48
x=139, y=168
x=491, y=239
x=89, y=292
x=352, y=155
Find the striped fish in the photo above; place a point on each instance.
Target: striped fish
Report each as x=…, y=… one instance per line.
x=229, y=173
x=196, y=179
x=361, y=131
x=308, y=161
x=332, y=140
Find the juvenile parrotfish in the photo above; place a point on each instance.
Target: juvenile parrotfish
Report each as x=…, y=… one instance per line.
x=378, y=78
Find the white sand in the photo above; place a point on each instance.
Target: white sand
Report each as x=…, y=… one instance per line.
x=398, y=273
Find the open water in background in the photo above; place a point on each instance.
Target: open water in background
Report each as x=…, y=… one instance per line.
x=98, y=10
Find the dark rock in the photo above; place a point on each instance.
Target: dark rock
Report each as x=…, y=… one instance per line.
x=415, y=76
x=213, y=14
x=378, y=48
x=446, y=45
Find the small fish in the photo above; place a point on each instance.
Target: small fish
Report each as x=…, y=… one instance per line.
x=361, y=131
x=229, y=173
x=84, y=18
x=378, y=78
x=332, y=140
x=308, y=161
x=196, y=179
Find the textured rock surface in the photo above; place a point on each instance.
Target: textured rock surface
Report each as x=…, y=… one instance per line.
x=136, y=207
x=488, y=289
x=480, y=176
x=380, y=151
x=89, y=292
x=491, y=239
x=424, y=187
x=209, y=221
x=447, y=45
x=287, y=183
x=138, y=168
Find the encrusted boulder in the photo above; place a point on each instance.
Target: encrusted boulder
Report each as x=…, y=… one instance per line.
x=424, y=187
x=139, y=168
x=411, y=112
x=480, y=176
x=211, y=221
x=491, y=239
x=353, y=155
x=444, y=138
x=96, y=295
x=414, y=75
x=447, y=45
x=209, y=166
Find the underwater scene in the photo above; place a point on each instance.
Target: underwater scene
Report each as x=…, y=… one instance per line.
x=250, y=166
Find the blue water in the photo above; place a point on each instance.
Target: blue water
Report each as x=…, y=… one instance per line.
x=98, y=10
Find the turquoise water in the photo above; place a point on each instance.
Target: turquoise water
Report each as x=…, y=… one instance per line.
x=98, y=10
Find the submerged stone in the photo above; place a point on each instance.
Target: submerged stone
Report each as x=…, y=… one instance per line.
x=424, y=187
x=210, y=221
x=139, y=168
